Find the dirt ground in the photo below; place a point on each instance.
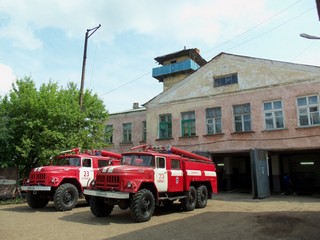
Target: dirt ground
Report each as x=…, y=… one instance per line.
x=227, y=216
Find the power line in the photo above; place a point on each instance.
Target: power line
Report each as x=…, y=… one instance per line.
x=254, y=27
x=125, y=84
x=272, y=29
x=243, y=43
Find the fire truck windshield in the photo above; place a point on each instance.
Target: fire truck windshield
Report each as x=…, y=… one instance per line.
x=68, y=161
x=138, y=160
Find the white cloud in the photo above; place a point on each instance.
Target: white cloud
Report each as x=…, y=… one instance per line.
x=194, y=20
x=7, y=78
x=44, y=39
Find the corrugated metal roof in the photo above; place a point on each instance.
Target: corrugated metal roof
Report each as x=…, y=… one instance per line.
x=193, y=53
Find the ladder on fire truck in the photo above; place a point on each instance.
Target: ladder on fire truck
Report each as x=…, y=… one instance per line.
x=171, y=150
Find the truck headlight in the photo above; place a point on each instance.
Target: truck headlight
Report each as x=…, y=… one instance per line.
x=92, y=183
x=54, y=180
x=129, y=184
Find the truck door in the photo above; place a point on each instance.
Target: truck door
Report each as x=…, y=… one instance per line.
x=260, y=173
x=161, y=175
x=86, y=172
x=175, y=176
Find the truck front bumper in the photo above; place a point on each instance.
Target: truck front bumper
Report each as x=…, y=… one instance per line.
x=106, y=194
x=35, y=188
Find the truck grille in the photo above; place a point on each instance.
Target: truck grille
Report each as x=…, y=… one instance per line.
x=37, y=178
x=108, y=182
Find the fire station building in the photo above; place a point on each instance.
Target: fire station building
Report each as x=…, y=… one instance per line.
x=258, y=119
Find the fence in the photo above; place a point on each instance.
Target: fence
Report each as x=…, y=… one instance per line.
x=8, y=183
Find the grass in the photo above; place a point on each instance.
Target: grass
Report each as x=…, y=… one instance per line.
x=16, y=200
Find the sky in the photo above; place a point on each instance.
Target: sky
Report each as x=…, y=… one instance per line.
x=44, y=39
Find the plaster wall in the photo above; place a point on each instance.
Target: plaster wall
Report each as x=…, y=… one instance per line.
x=136, y=118
x=291, y=137
x=259, y=80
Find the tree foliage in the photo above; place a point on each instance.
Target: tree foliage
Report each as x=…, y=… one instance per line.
x=38, y=124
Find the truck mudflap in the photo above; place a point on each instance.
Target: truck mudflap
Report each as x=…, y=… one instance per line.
x=35, y=188
x=106, y=194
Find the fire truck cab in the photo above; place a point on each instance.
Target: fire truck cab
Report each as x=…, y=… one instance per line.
x=153, y=176
x=65, y=178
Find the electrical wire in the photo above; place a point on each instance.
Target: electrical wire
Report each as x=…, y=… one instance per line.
x=254, y=27
x=271, y=30
x=125, y=84
x=238, y=45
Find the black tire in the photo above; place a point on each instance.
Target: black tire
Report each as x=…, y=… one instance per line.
x=142, y=206
x=189, y=203
x=66, y=197
x=36, y=201
x=202, y=196
x=99, y=207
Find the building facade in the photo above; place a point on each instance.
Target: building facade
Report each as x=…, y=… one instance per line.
x=258, y=119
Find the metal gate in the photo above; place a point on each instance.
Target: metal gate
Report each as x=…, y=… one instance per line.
x=260, y=173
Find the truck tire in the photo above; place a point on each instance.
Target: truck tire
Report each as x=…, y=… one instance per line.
x=189, y=203
x=35, y=201
x=142, y=205
x=99, y=207
x=66, y=197
x=202, y=196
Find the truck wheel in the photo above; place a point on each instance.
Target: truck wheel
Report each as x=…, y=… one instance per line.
x=189, y=203
x=202, y=196
x=35, y=201
x=99, y=207
x=66, y=197
x=142, y=206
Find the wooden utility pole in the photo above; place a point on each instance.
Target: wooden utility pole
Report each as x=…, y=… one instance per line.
x=92, y=30
x=318, y=8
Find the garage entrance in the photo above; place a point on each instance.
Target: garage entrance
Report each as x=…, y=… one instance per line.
x=304, y=171
x=303, y=167
x=234, y=172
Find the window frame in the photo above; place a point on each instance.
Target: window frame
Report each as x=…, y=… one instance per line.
x=144, y=131
x=127, y=132
x=188, y=124
x=165, y=125
x=307, y=109
x=216, y=121
x=225, y=80
x=275, y=120
x=109, y=139
x=245, y=117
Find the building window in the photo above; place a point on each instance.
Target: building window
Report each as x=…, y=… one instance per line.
x=213, y=120
x=273, y=115
x=188, y=124
x=109, y=133
x=127, y=131
x=242, y=117
x=225, y=80
x=165, y=126
x=308, y=110
x=144, y=131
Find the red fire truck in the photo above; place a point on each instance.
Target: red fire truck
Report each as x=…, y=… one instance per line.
x=147, y=178
x=65, y=178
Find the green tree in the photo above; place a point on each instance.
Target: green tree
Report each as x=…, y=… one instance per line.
x=38, y=124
